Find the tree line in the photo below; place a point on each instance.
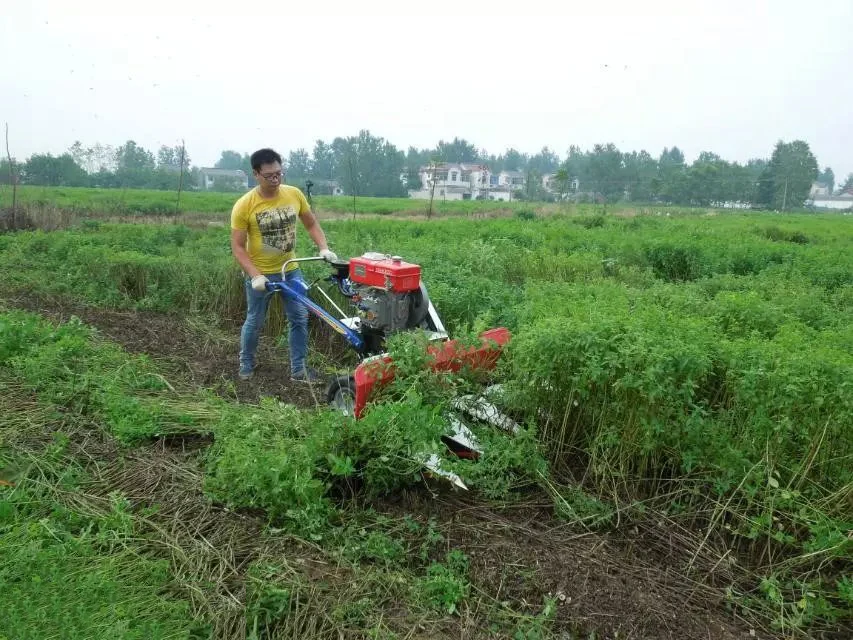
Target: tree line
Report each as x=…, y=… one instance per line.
x=367, y=165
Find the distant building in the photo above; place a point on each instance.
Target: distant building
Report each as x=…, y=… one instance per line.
x=514, y=180
x=465, y=181
x=819, y=189
x=224, y=179
x=839, y=202
x=552, y=185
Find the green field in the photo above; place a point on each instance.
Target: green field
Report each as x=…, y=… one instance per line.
x=160, y=203
x=692, y=372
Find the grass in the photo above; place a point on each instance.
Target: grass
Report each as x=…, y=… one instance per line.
x=72, y=566
x=68, y=575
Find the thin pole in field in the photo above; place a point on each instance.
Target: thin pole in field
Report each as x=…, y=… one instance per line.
x=180, y=179
x=12, y=181
x=351, y=181
x=432, y=188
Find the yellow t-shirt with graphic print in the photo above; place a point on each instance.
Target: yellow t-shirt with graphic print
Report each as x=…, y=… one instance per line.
x=271, y=226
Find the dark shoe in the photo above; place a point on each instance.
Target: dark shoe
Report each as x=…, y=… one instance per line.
x=308, y=375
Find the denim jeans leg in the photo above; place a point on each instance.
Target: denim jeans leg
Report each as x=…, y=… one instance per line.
x=256, y=312
x=297, y=318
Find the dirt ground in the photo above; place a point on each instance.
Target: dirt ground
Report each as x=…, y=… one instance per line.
x=200, y=355
x=627, y=583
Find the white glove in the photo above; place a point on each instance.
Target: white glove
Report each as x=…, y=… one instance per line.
x=328, y=255
x=259, y=283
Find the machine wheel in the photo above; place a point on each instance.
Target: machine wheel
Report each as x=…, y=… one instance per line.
x=340, y=394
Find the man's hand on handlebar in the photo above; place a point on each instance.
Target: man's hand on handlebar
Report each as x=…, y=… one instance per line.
x=328, y=255
x=259, y=283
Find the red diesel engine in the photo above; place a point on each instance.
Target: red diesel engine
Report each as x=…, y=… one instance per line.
x=388, y=292
x=385, y=272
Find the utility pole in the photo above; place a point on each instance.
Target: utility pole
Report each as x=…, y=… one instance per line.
x=181, y=179
x=351, y=181
x=432, y=188
x=785, y=194
x=13, y=181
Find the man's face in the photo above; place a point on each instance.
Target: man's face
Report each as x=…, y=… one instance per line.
x=269, y=174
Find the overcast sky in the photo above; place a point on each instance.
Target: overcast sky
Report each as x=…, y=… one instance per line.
x=725, y=76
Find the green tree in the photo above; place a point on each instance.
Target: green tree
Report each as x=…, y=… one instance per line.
x=534, y=190
x=740, y=184
x=604, y=171
x=512, y=160
x=103, y=157
x=671, y=182
x=756, y=166
x=166, y=156
x=546, y=161
x=827, y=177
x=59, y=171
x=132, y=157
x=848, y=183
x=170, y=157
x=413, y=178
x=460, y=150
x=576, y=164
x=754, y=173
x=764, y=190
x=563, y=182
x=233, y=160
x=83, y=156
x=368, y=166
x=417, y=158
x=5, y=174
x=706, y=180
x=791, y=171
x=639, y=170
x=298, y=164
x=323, y=161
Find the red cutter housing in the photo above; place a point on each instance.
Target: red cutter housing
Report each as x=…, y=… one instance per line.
x=391, y=274
x=444, y=356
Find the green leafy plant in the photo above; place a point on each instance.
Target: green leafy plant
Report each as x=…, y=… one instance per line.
x=445, y=585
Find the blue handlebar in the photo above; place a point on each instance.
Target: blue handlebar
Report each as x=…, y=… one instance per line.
x=289, y=291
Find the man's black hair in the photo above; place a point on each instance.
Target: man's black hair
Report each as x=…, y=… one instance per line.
x=264, y=156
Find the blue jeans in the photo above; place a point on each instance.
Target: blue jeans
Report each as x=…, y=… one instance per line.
x=256, y=314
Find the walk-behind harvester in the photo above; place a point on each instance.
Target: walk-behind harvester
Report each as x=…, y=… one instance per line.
x=389, y=296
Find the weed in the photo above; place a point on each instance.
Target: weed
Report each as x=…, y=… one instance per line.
x=445, y=585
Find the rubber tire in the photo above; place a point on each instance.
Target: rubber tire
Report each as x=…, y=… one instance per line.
x=340, y=394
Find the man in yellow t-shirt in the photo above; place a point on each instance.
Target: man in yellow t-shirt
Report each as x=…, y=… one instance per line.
x=263, y=236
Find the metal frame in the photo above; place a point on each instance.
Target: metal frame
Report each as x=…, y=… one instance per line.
x=347, y=327
x=288, y=290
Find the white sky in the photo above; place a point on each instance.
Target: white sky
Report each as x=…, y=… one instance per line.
x=725, y=76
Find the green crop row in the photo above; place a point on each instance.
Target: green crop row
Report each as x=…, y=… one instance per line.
x=476, y=269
